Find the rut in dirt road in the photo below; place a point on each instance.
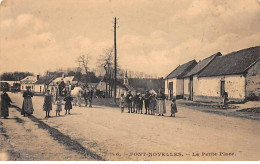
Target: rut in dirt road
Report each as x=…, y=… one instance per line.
x=61, y=138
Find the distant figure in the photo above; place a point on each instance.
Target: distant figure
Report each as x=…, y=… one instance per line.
x=161, y=108
x=58, y=106
x=225, y=98
x=5, y=103
x=85, y=95
x=135, y=106
x=68, y=106
x=91, y=94
x=27, y=107
x=152, y=104
x=173, y=107
x=122, y=102
x=47, y=105
x=61, y=87
x=129, y=100
x=147, y=98
x=140, y=103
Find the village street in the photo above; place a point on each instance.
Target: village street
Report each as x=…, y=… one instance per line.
x=104, y=133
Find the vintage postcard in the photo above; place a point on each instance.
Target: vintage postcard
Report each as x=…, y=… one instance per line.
x=136, y=80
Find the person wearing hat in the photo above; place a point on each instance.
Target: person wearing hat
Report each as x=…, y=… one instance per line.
x=5, y=103
x=27, y=107
x=129, y=100
x=135, y=105
x=140, y=103
x=47, y=105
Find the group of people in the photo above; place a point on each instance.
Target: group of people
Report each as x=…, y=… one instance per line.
x=152, y=103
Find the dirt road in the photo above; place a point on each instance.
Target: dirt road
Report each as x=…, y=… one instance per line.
x=104, y=133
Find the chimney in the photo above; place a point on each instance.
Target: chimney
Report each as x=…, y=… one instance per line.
x=38, y=77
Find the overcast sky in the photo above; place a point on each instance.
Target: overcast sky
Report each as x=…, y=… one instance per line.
x=154, y=36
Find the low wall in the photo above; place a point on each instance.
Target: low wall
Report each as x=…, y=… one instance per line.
x=214, y=99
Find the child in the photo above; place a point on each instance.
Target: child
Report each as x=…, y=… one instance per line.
x=122, y=102
x=68, y=106
x=173, y=107
x=59, y=107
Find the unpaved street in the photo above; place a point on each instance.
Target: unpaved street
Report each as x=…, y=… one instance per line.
x=104, y=133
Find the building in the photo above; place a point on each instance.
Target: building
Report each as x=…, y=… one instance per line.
x=29, y=82
x=192, y=74
x=174, y=82
x=237, y=73
x=42, y=84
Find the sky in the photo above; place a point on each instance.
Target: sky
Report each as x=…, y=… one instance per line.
x=154, y=36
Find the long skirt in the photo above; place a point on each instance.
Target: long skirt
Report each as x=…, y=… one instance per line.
x=4, y=111
x=27, y=106
x=161, y=108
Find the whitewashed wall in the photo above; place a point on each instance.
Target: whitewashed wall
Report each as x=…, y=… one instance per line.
x=186, y=86
x=210, y=86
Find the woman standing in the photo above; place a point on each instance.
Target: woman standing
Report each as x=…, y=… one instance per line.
x=47, y=105
x=161, y=108
x=5, y=103
x=27, y=102
x=68, y=106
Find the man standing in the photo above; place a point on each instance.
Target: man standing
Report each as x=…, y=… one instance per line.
x=135, y=99
x=147, y=98
x=85, y=95
x=129, y=100
x=91, y=94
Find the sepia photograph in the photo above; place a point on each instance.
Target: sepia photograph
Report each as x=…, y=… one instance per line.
x=136, y=80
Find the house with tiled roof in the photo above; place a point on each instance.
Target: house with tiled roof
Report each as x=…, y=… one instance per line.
x=189, y=85
x=42, y=84
x=237, y=73
x=174, y=82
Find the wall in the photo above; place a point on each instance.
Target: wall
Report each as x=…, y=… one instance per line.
x=23, y=87
x=186, y=91
x=39, y=88
x=253, y=82
x=177, y=87
x=208, y=88
x=167, y=81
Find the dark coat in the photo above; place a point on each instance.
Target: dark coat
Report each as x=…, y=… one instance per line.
x=47, y=106
x=68, y=101
x=5, y=103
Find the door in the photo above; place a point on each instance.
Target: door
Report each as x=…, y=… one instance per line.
x=191, y=88
x=222, y=87
x=170, y=90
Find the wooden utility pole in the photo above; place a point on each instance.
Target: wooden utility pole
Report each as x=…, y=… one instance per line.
x=115, y=26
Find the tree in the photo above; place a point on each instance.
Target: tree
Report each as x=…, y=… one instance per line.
x=14, y=76
x=106, y=62
x=71, y=73
x=83, y=61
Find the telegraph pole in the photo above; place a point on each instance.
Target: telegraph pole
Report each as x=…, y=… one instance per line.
x=115, y=26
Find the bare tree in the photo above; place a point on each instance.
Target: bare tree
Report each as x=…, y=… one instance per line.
x=106, y=62
x=83, y=61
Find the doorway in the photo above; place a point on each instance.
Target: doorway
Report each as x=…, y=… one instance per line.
x=191, y=88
